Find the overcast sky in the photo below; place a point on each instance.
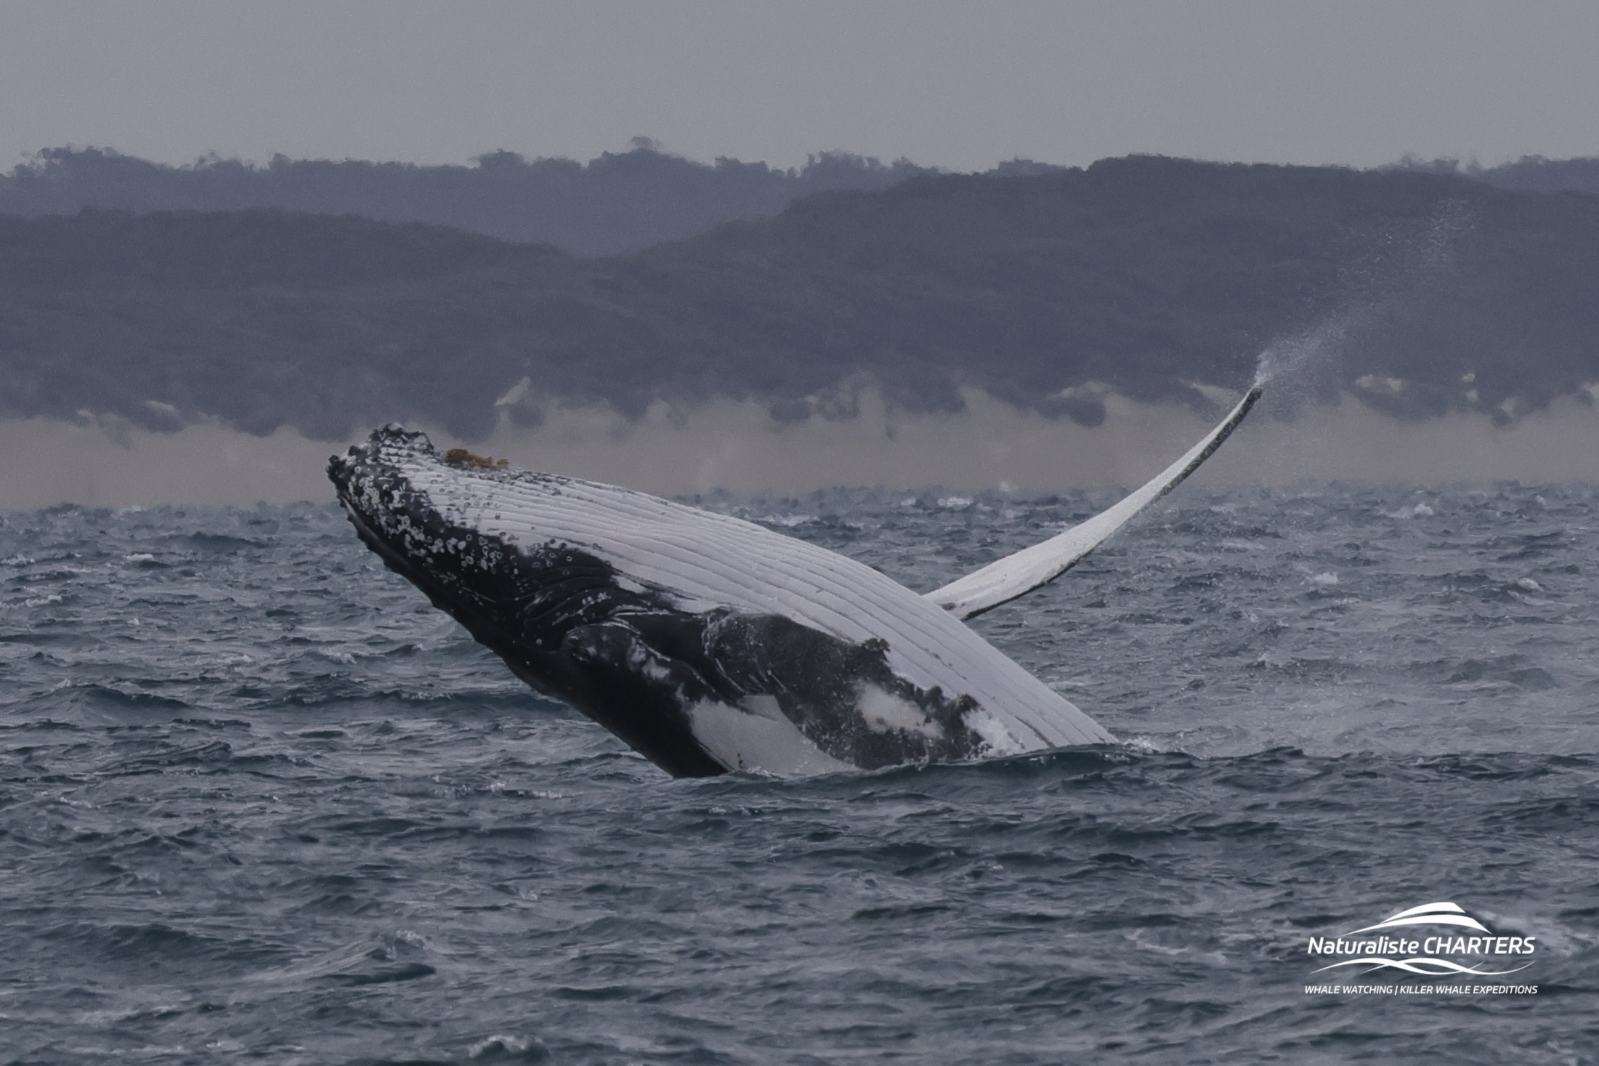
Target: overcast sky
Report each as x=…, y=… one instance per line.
x=960, y=85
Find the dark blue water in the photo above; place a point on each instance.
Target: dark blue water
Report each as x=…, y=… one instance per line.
x=259, y=802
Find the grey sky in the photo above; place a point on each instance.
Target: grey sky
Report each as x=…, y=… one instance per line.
x=952, y=84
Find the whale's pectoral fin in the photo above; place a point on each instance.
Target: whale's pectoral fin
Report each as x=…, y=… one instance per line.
x=1016, y=575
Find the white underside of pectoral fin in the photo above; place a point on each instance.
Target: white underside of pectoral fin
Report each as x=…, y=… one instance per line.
x=1015, y=575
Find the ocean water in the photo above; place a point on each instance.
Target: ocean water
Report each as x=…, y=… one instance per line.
x=260, y=802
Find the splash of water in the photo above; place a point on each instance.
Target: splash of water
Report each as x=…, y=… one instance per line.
x=1406, y=266
x=1296, y=354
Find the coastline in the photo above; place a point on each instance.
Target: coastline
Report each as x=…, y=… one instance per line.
x=739, y=447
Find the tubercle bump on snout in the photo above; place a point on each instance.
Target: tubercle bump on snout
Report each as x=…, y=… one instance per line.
x=394, y=436
x=394, y=442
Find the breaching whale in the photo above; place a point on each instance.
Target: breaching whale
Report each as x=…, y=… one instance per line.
x=711, y=644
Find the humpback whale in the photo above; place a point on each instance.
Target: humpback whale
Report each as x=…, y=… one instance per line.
x=711, y=644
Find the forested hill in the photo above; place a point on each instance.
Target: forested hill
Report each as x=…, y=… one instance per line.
x=1424, y=293
x=615, y=203
x=1532, y=173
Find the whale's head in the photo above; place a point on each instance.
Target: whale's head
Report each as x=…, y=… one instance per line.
x=548, y=607
x=624, y=606
x=410, y=504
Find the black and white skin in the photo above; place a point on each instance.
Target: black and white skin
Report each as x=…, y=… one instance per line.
x=711, y=644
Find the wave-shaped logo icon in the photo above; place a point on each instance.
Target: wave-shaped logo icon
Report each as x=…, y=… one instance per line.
x=1444, y=913
x=1427, y=967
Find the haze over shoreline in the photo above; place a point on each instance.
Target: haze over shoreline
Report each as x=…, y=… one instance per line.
x=991, y=446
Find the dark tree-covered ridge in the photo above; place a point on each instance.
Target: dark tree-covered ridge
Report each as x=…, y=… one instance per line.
x=1146, y=276
x=618, y=202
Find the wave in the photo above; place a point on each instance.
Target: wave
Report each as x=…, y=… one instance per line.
x=215, y=542
x=94, y=693
x=337, y=690
x=144, y=944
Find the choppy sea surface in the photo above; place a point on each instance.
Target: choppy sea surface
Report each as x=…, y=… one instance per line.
x=260, y=802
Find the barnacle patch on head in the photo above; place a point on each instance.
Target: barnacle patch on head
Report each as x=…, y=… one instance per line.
x=472, y=461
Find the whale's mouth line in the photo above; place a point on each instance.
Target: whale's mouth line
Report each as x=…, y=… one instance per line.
x=396, y=560
x=548, y=673
x=393, y=557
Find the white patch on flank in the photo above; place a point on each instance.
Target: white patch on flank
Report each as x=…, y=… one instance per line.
x=993, y=732
x=627, y=584
x=647, y=664
x=757, y=736
x=766, y=706
x=883, y=711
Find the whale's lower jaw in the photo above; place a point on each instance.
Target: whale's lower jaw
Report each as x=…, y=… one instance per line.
x=653, y=726
x=698, y=691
